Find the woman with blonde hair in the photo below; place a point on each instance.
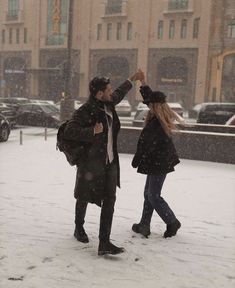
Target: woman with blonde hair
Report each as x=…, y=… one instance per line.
x=156, y=156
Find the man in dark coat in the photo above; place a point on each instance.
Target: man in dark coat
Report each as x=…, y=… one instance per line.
x=96, y=125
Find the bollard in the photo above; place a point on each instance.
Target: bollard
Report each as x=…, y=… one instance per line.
x=21, y=137
x=45, y=134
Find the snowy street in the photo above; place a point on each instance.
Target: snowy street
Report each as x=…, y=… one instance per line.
x=37, y=247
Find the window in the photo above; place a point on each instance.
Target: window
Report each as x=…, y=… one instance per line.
x=231, y=30
x=172, y=29
x=13, y=9
x=183, y=32
x=10, y=36
x=160, y=30
x=99, y=32
x=196, y=23
x=119, y=31
x=113, y=6
x=177, y=4
x=25, y=35
x=17, y=36
x=57, y=12
x=129, y=31
x=109, y=31
x=3, y=36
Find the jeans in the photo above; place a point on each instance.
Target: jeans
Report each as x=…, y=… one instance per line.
x=154, y=201
x=107, y=208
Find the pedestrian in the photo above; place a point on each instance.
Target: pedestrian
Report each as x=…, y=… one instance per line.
x=156, y=156
x=96, y=124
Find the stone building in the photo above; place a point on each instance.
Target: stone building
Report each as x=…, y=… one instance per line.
x=186, y=47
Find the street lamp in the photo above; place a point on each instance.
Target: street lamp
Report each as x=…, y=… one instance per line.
x=67, y=99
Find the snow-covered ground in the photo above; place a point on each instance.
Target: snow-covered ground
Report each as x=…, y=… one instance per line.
x=37, y=247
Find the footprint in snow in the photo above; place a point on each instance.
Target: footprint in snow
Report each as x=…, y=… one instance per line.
x=47, y=259
x=21, y=278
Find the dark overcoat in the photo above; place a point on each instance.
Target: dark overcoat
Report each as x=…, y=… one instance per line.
x=90, y=178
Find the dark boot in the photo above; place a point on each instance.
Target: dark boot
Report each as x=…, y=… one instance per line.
x=109, y=248
x=80, y=234
x=172, y=229
x=142, y=229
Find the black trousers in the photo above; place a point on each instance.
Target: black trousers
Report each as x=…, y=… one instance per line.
x=107, y=208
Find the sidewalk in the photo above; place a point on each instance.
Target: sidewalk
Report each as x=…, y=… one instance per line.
x=37, y=248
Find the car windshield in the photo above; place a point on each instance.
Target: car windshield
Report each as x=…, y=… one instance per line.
x=49, y=109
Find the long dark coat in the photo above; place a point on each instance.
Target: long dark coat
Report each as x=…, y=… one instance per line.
x=156, y=153
x=90, y=179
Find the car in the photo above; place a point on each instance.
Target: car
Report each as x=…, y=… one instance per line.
x=42, y=101
x=77, y=104
x=215, y=112
x=141, y=115
x=14, y=102
x=175, y=106
x=5, y=129
x=193, y=113
x=123, y=108
x=231, y=121
x=140, y=107
x=9, y=113
x=38, y=114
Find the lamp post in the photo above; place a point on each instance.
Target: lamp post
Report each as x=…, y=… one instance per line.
x=67, y=99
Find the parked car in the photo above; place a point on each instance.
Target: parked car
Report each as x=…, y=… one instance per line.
x=9, y=113
x=14, y=102
x=177, y=107
x=141, y=114
x=140, y=107
x=42, y=101
x=5, y=128
x=174, y=106
x=37, y=114
x=123, y=108
x=216, y=112
x=77, y=104
x=231, y=121
x=193, y=113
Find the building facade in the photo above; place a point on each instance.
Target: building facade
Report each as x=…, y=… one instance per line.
x=186, y=47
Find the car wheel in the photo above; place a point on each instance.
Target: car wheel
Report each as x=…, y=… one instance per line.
x=4, y=133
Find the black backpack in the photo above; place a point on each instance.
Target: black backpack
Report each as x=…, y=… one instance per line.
x=73, y=150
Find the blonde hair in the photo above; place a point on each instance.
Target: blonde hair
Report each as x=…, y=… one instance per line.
x=165, y=115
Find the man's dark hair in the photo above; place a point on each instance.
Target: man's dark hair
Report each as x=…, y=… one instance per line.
x=98, y=84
